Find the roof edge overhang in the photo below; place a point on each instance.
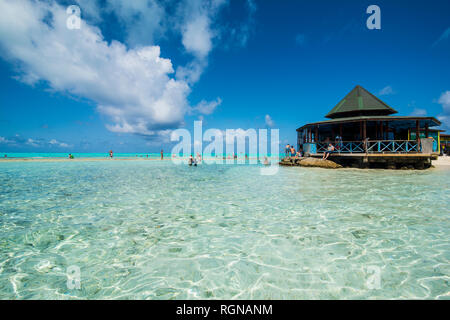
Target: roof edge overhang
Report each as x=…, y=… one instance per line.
x=362, y=113
x=368, y=118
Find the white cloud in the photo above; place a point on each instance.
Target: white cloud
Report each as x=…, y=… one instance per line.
x=194, y=21
x=445, y=120
x=3, y=140
x=444, y=117
x=55, y=142
x=207, y=108
x=90, y=9
x=143, y=20
x=192, y=71
x=199, y=32
x=17, y=141
x=32, y=142
x=134, y=87
x=444, y=100
x=418, y=112
x=269, y=122
x=197, y=36
x=386, y=91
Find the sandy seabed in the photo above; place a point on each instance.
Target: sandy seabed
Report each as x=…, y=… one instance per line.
x=441, y=162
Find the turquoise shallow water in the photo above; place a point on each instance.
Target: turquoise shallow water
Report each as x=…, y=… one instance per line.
x=155, y=230
x=77, y=155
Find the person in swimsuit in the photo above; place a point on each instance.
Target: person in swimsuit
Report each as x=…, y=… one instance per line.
x=287, y=150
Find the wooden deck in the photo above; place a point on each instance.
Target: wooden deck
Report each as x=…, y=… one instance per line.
x=379, y=160
x=378, y=155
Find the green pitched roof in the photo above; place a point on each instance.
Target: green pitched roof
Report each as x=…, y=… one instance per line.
x=360, y=102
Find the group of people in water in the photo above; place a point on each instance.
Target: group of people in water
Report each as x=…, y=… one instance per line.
x=194, y=161
x=290, y=151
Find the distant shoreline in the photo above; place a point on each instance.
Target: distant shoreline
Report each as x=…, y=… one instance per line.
x=81, y=159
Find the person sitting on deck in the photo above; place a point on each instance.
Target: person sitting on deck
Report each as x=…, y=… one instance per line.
x=327, y=153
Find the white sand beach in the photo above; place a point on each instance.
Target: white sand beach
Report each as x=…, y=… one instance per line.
x=442, y=162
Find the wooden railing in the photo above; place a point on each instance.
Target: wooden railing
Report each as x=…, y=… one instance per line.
x=375, y=146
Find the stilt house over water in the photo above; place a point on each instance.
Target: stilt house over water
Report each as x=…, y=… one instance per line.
x=365, y=132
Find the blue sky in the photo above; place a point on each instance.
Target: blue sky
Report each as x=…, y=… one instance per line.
x=136, y=70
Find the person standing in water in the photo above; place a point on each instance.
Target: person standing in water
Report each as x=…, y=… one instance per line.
x=162, y=154
x=292, y=151
x=111, y=154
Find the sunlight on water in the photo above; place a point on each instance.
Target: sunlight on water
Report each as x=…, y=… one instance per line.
x=154, y=230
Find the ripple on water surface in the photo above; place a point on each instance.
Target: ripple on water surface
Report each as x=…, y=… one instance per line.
x=154, y=230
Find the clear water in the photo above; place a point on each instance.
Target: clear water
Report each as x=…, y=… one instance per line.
x=154, y=230
x=59, y=155
x=37, y=155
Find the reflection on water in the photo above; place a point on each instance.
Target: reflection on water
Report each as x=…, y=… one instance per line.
x=154, y=230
